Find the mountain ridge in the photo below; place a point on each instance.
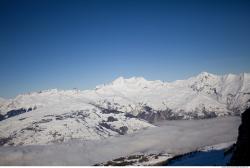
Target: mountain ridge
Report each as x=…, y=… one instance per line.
x=119, y=107
x=121, y=87
x=203, y=73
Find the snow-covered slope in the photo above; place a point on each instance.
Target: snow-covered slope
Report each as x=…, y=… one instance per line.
x=205, y=95
x=123, y=106
x=65, y=120
x=171, y=138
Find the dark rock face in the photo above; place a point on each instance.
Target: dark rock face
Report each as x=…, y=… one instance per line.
x=1, y=117
x=241, y=155
x=122, y=130
x=15, y=112
x=4, y=140
x=128, y=115
x=153, y=116
x=111, y=119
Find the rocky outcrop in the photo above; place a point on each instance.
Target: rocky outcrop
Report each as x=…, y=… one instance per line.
x=241, y=155
x=15, y=112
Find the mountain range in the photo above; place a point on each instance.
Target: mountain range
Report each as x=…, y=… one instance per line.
x=121, y=107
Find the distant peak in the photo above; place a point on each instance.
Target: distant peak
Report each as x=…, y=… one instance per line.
x=206, y=75
x=118, y=80
x=128, y=81
x=48, y=91
x=136, y=79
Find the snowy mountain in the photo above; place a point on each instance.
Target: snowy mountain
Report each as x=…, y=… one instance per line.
x=203, y=96
x=64, y=120
x=120, y=107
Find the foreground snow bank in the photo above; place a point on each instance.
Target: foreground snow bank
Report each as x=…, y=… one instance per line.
x=172, y=137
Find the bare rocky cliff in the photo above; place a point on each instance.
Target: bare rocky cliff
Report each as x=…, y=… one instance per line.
x=241, y=155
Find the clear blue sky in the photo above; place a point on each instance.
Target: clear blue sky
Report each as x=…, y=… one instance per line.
x=78, y=43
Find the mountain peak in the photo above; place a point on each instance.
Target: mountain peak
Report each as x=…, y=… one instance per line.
x=205, y=75
x=136, y=79
x=121, y=80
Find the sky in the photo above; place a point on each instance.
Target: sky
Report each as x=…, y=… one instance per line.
x=67, y=44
